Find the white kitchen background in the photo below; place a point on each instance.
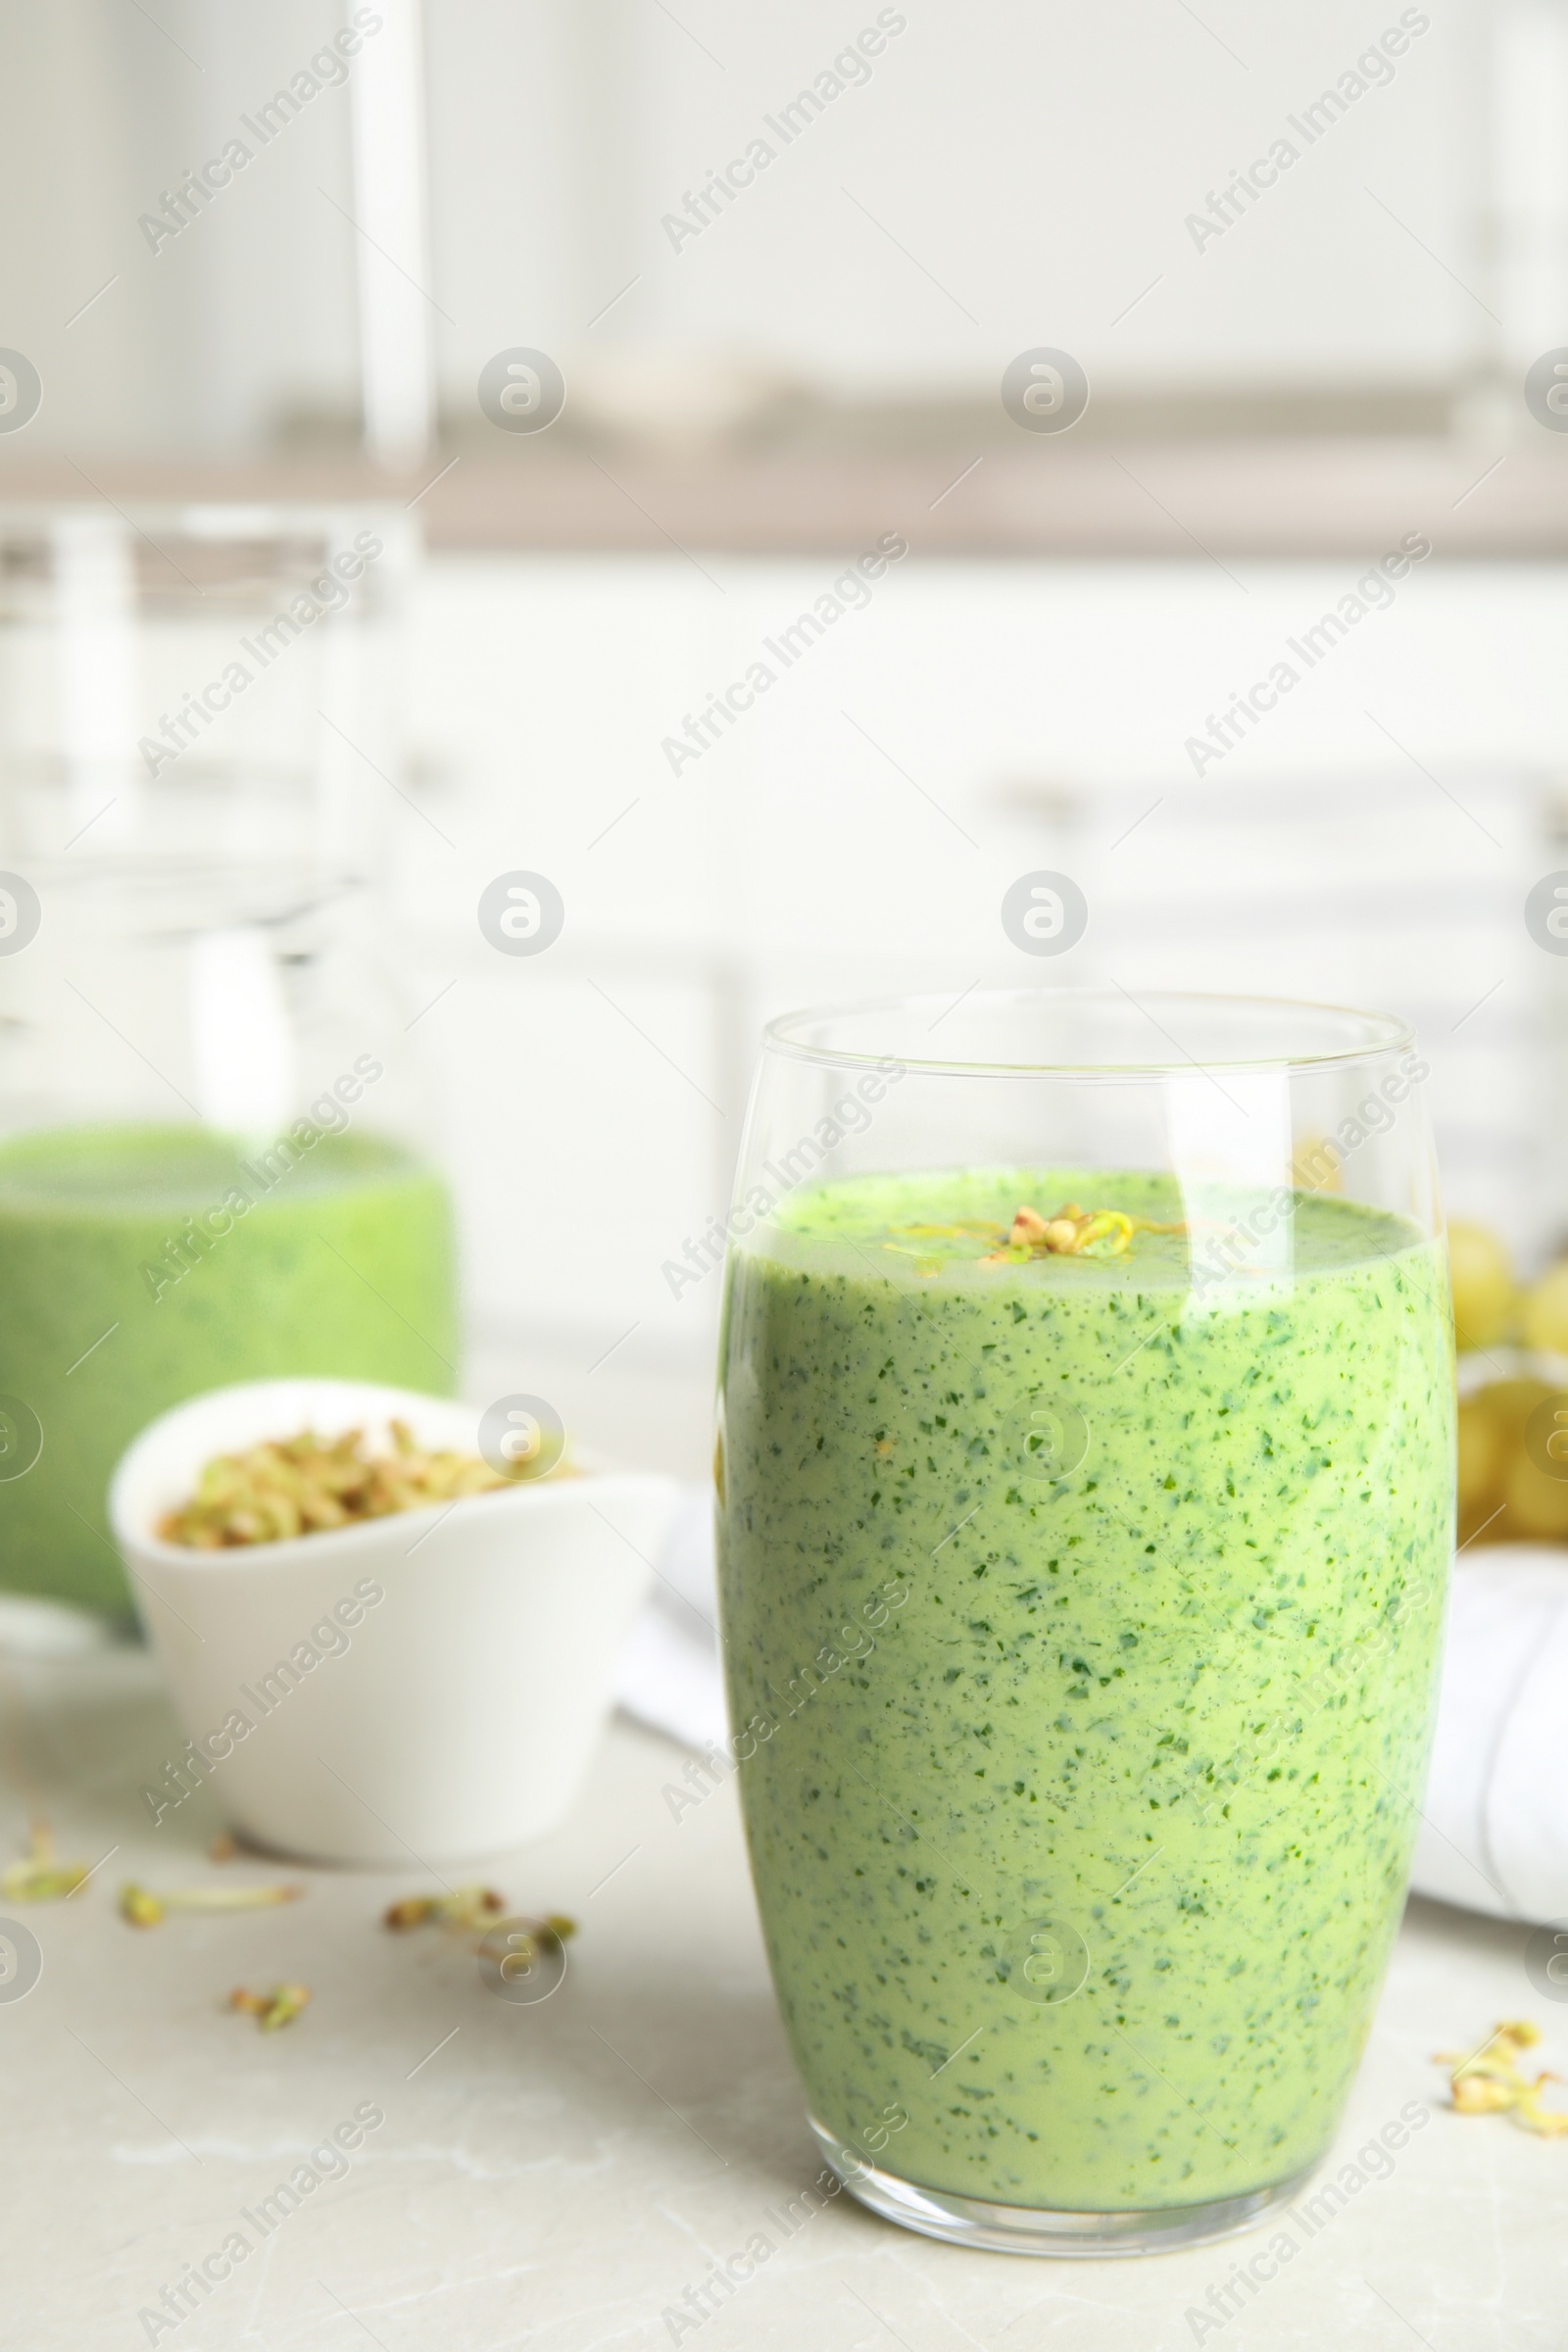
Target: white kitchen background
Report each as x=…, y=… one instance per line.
x=1420, y=242
x=1372, y=841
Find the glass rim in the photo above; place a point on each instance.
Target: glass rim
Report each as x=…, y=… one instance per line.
x=1382, y=1033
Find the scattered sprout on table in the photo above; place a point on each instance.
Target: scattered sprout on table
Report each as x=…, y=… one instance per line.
x=473, y=1909
x=459, y=1907
x=527, y=1935
x=39, y=1878
x=1487, y=2080
x=279, y=2007
x=139, y=1907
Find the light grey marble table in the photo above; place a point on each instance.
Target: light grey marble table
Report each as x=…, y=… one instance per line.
x=565, y=2174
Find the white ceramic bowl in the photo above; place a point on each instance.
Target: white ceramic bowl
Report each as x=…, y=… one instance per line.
x=426, y=1687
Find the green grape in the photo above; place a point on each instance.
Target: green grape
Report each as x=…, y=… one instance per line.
x=1484, y=1295
x=1483, y=1453
x=1545, y=1311
x=1510, y=1403
x=1538, y=1506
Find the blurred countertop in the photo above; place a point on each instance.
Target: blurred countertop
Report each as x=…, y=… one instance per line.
x=562, y=2174
x=969, y=494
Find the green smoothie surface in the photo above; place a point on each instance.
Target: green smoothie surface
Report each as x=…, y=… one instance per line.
x=141, y=1265
x=947, y=1234
x=124, y=1172
x=1086, y=1626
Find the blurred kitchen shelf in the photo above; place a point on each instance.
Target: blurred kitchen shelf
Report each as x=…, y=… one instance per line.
x=1046, y=496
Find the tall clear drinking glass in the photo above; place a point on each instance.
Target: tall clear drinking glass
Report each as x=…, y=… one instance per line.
x=1086, y=1496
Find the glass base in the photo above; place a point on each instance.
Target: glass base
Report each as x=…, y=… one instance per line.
x=1033, y=2229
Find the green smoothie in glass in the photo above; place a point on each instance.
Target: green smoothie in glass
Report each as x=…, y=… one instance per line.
x=1081, y=1629
x=141, y=1265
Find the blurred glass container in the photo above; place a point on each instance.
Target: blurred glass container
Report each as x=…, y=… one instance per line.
x=211, y=1113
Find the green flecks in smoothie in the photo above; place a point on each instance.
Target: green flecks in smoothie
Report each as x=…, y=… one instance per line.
x=141, y=1265
x=1087, y=1623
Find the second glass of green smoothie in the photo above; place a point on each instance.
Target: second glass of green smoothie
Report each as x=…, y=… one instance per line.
x=212, y=1117
x=1086, y=1481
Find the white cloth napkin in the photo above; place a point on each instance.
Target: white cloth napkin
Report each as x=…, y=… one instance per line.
x=1493, y=1830
x=669, y=1673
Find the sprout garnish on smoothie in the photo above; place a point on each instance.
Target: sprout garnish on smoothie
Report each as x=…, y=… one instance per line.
x=1073, y=1232
x=1069, y=1231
